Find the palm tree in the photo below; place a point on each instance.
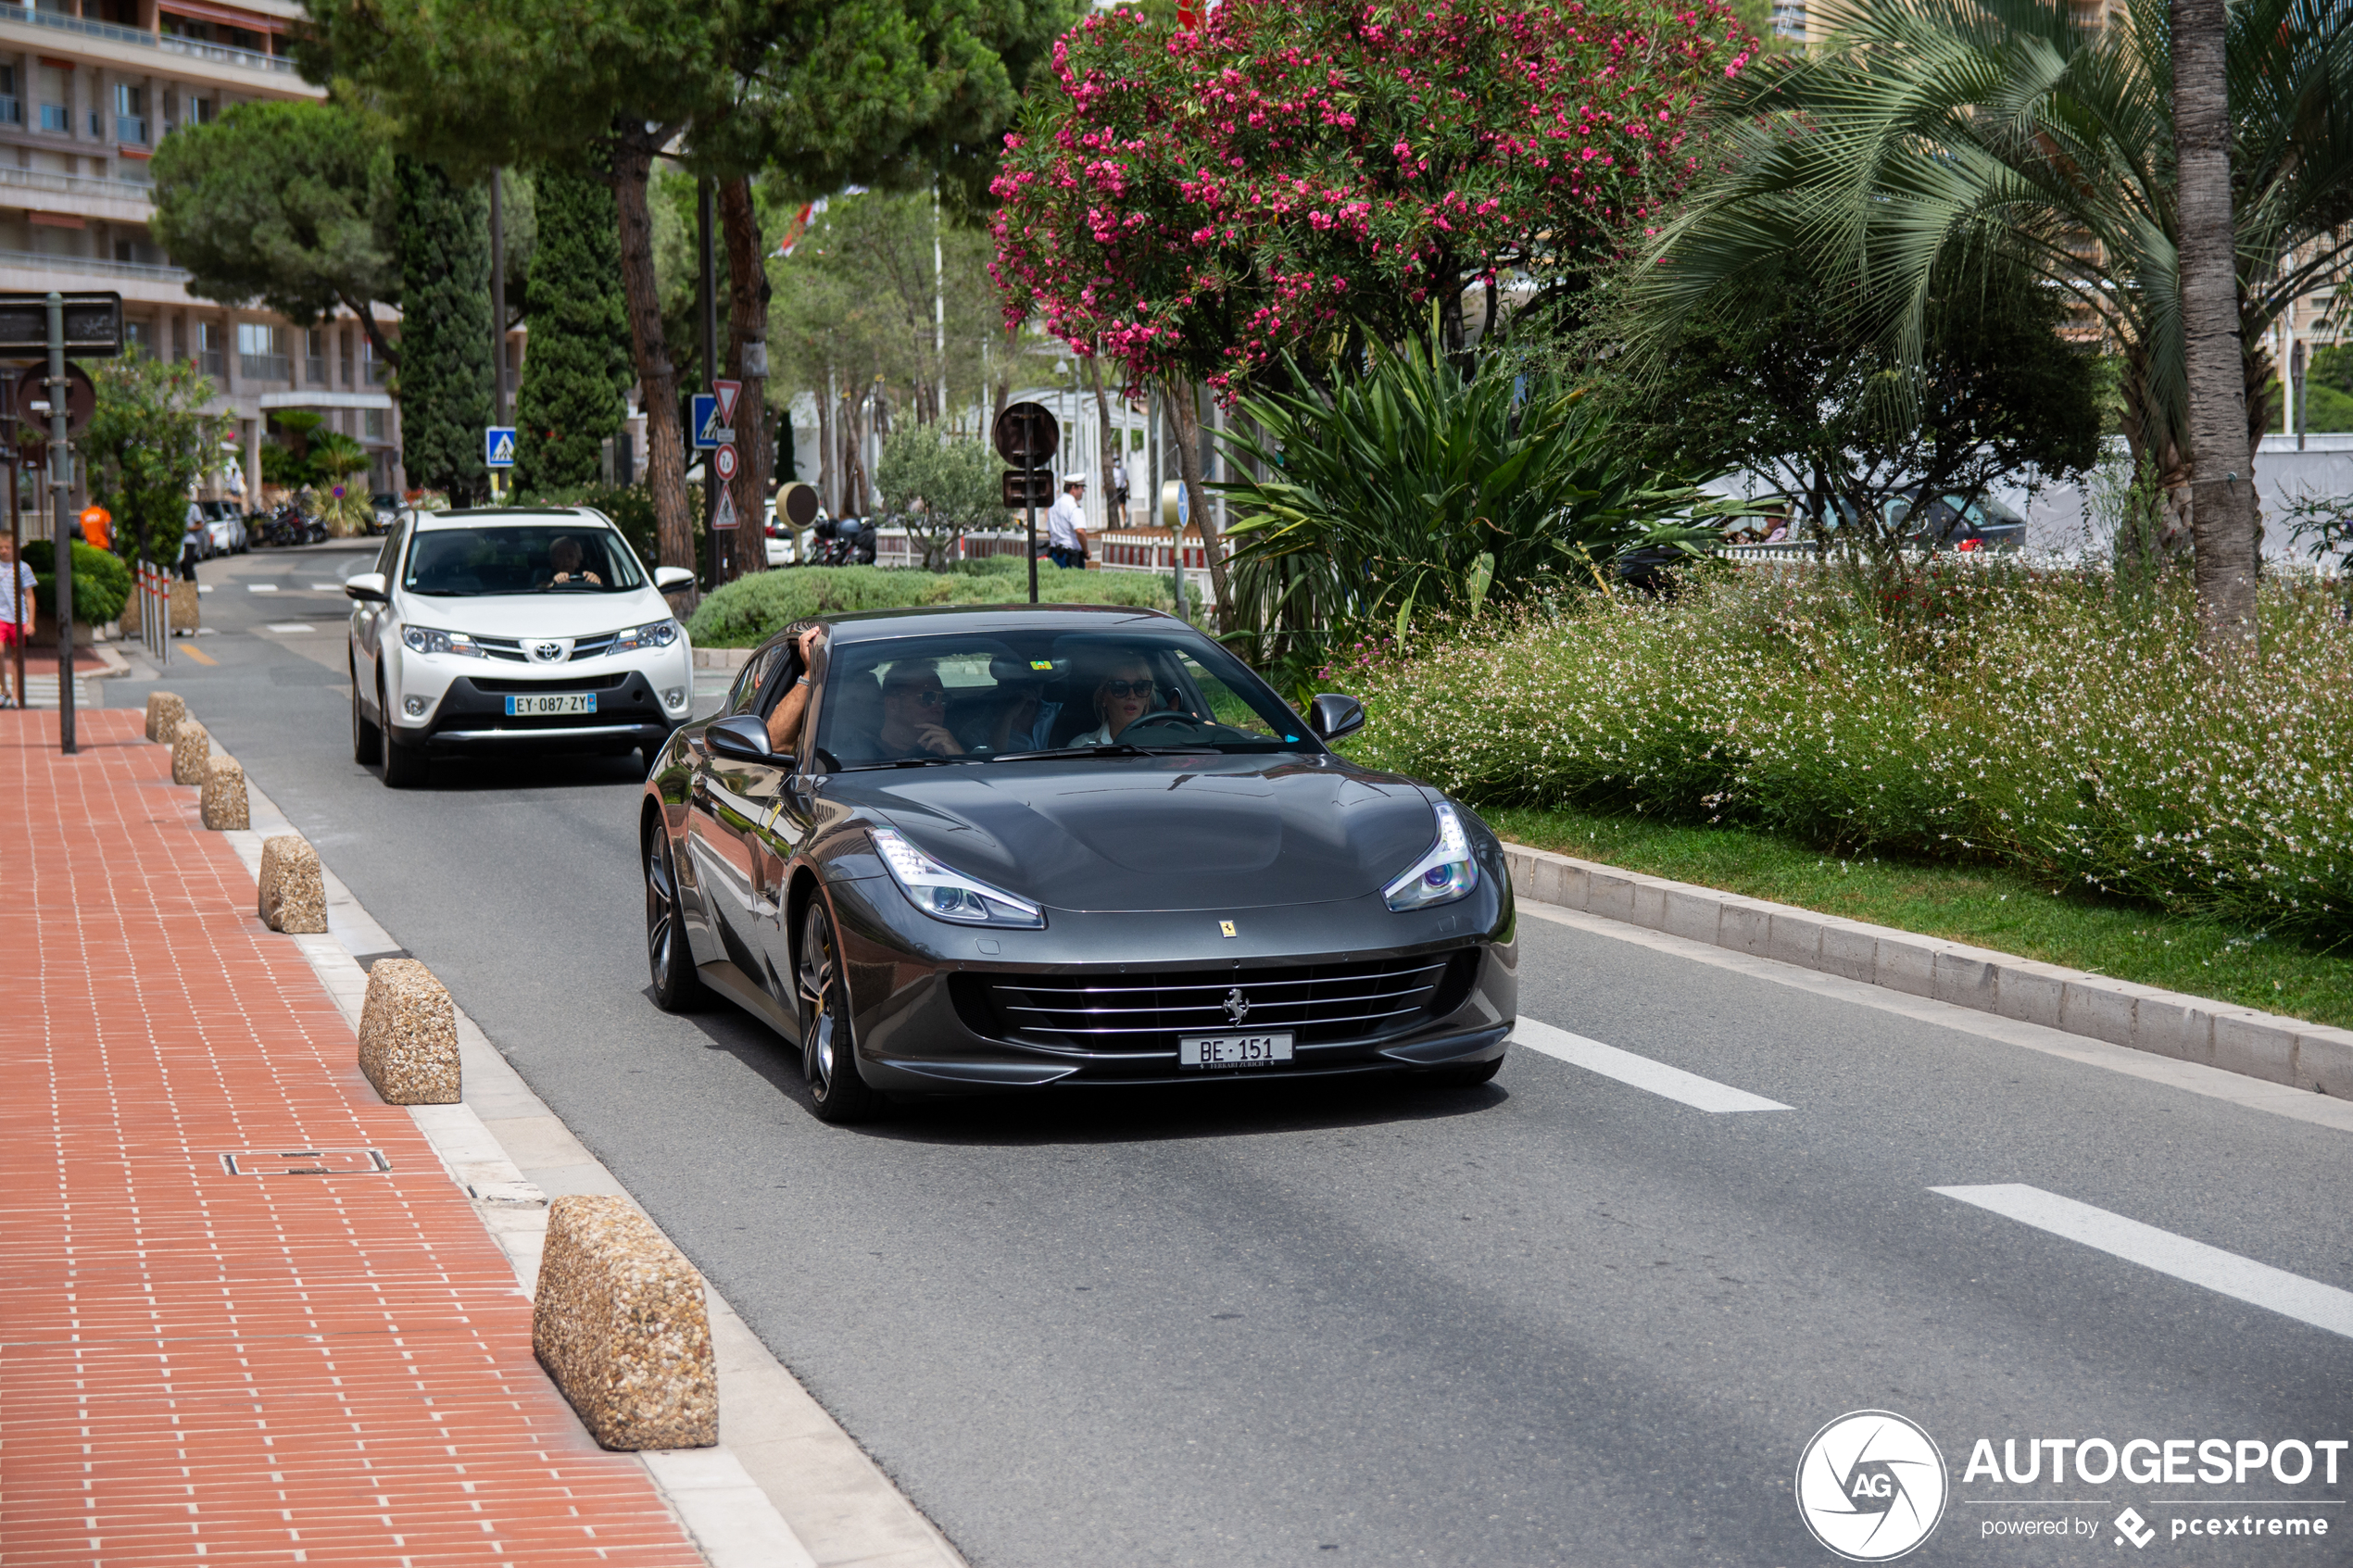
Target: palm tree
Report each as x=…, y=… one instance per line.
x=1932, y=133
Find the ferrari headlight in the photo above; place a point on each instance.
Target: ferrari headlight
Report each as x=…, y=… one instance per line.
x=653, y=634
x=949, y=896
x=1445, y=874
x=428, y=639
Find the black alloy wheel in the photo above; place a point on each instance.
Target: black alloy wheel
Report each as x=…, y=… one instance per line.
x=365, y=742
x=826, y=1051
x=405, y=766
x=677, y=988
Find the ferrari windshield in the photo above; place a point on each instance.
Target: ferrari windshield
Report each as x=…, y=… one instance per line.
x=466, y=562
x=969, y=697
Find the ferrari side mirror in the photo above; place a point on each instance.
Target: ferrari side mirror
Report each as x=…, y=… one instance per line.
x=743, y=736
x=1335, y=716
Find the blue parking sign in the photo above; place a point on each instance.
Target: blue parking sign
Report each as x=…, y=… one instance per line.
x=706, y=420
x=498, y=446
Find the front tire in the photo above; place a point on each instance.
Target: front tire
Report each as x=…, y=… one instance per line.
x=406, y=766
x=366, y=745
x=677, y=988
x=828, y=1052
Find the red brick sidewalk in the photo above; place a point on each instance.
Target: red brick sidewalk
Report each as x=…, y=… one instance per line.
x=201, y=1366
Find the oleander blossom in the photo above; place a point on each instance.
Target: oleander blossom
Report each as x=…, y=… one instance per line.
x=1197, y=204
x=2043, y=717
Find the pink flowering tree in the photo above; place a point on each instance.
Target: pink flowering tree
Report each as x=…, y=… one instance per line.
x=1302, y=175
x=1298, y=179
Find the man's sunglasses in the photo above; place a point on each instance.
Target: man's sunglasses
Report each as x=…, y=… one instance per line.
x=1128, y=688
x=930, y=696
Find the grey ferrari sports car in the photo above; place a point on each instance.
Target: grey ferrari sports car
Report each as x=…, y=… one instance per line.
x=997, y=849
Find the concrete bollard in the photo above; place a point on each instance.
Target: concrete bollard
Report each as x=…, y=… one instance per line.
x=190, y=752
x=184, y=611
x=223, y=804
x=617, y=1321
x=164, y=712
x=408, y=1035
x=294, y=889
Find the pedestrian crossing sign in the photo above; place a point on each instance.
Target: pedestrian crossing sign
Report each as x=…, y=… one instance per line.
x=498, y=446
x=724, y=515
x=706, y=421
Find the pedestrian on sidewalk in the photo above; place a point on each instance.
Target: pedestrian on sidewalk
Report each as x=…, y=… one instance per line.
x=98, y=527
x=16, y=618
x=1065, y=524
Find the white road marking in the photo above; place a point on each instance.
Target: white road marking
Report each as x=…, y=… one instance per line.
x=2255, y=1094
x=2225, y=1273
x=261, y=587
x=1704, y=1094
x=326, y=587
x=290, y=627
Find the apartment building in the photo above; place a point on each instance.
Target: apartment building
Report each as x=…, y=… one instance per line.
x=88, y=89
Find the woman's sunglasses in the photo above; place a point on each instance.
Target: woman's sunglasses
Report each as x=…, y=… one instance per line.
x=1128, y=688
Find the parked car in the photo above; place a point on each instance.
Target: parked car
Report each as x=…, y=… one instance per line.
x=1951, y=523
x=490, y=632
x=225, y=522
x=953, y=885
x=784, y=549
x=385, y=507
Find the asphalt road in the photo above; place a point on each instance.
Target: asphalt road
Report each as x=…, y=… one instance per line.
x=1560, y=1319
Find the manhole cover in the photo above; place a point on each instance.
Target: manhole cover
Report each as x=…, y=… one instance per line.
x=304, y=1161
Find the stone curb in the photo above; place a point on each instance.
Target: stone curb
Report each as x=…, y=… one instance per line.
x=2259, y=1045
x=408, y=1036
x=618, y=1322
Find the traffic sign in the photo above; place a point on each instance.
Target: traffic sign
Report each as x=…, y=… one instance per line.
x=706, y=420
x=725, y=516
x=726, y=392
x=724, y=460
x=1027, y=435
x=498, y=446
x=1175, y=501
x=799, y=504
x=81, y=401
x=1035, y=488
x=93, y=325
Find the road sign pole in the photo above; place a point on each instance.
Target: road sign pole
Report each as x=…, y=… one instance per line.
x=60, y=479
x=722, y=550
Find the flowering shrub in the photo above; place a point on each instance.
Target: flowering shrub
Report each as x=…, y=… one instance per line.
x=1195, y=204
x=2042, y=718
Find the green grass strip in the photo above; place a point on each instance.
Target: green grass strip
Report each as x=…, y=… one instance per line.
x=1985, y=906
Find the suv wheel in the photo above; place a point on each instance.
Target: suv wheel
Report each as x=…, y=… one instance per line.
x=405, y=766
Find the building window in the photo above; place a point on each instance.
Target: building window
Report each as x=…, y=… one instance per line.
x=377, y=370
x=262, y=352
x=98, y=126
x=210, y=350
x=57, y=116
x=130, y=114
x=346, y=338
x=201, y=112
x=314, y=357
x=142, y=336
x=373, y=424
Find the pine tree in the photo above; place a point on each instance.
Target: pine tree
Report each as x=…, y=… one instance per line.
x=445, y=330
x=576, y=371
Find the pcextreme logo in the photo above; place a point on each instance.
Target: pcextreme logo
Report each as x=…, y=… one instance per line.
x=1871, y=1486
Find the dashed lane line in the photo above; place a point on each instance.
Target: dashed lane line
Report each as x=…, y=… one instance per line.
x=1704, y=1094
x=2225, y=1273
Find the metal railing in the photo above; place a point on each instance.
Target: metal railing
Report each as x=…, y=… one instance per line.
x=219, y=53
x=11, y=109
x=43, y=261
x=314, y=369
x=76, y=184
x=265, y=367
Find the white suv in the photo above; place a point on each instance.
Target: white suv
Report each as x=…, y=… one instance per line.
x=494, y=630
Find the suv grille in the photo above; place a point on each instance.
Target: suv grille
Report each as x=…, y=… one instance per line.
x=1320, y=1004
x=502, y=647
x=569, y=683
x=592, y=648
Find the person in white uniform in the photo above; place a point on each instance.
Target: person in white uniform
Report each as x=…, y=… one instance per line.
x=1065, y=524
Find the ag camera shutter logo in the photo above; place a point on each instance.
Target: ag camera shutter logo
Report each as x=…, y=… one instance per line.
x=1871, y=1486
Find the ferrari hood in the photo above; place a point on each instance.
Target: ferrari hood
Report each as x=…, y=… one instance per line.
x=1158, y=834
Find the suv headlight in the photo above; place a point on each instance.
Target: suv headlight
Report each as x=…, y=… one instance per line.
x=1445, y=874
x=428, y=639
x=653, y=634
x=949, y=896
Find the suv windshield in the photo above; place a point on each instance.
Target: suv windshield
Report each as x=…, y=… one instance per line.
x=977, y=698
x=464, y=562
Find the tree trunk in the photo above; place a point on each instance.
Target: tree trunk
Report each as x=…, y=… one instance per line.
x=1187, y=418
x=1004, y=374
x=665, y=442
x=748, y=295
x=1107, y=443
x=2222, y=487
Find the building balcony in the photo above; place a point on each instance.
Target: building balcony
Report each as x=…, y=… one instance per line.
x=189, y=48
x=90, y=266
x=265, y=367
x=118, y=201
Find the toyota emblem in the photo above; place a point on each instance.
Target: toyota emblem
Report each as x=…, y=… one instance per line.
x=547, y=653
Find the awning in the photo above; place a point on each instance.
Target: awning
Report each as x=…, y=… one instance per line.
x=196, y=10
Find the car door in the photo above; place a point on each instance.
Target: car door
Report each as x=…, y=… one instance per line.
x=369, y=618
x=726, y=799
